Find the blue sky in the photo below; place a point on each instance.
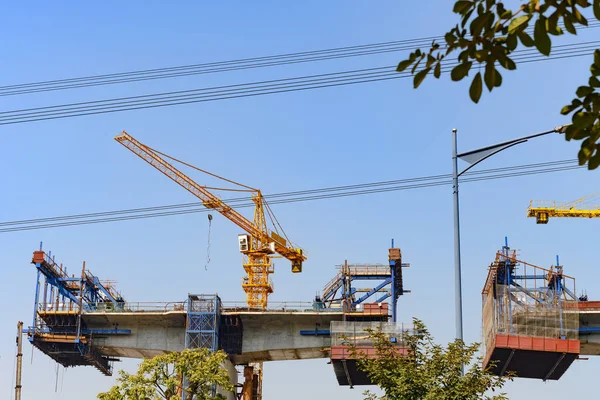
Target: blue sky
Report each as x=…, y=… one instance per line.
x=294, y=141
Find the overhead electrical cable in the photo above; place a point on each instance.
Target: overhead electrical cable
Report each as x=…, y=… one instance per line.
x=300, y=192
x=289, y=197
x=252, y=89
x=222, y=66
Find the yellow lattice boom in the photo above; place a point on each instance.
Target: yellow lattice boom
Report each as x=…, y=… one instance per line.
x=260, y=243
x=580, y=208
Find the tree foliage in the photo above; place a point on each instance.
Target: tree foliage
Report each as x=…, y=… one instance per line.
x=428, y=371
x=487, y=35
x=160, y=377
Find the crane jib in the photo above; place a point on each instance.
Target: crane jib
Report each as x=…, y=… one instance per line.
x=208, y=199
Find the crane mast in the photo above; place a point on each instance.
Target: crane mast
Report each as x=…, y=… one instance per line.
x=258, y=245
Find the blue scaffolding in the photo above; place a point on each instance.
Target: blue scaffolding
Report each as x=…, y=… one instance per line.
x=58, y=329
x=202, y=327
x=343, y=288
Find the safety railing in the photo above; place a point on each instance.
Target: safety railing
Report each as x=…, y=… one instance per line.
x=366, y=269
x=542, y=204
x=332, y=283
x=285, y=306
x=136, y=306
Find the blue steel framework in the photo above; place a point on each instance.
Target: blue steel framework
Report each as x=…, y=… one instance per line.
x=521, y=290
x=391, y=285
x=202, y=325
x=57, y=328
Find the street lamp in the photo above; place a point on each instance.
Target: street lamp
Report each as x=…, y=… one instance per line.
x=474, y=157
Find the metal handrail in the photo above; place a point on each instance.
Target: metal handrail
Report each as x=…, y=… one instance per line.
x=284, y=306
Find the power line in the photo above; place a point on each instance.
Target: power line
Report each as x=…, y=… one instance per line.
x=221, y=66
x=290, y=197
x=410, y=42
x=273, y=196
x=252, y=89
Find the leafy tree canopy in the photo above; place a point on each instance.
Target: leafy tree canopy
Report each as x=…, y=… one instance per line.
x=428, y=371
x=488, y=33
x=160, y=377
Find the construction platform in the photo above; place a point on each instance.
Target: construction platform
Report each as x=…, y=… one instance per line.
x=531, y=319
x=82, y=321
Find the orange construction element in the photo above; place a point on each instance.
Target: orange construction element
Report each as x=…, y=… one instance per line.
x=531, y=357
x=537, y=343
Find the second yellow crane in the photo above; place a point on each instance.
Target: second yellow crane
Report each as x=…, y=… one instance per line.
x=580, y=208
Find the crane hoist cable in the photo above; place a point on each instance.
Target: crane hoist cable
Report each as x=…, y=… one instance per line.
x=208, y=245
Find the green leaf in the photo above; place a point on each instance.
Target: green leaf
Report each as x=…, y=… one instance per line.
x=477, y=25
x=583, y=91
x=414, y=68
x=594, y=161
x=498, y=79
x=460, y=71
x=597, y=58
x=450, y=38
x=569, y=24
x=476, y=88
x=437, y=71
x=506, y=62
x=583, y=120
x=572, y=132
x=597, y=9
x=500, y=9
x=461, y=6
x=511, y=42
x=569, y=108
x=579, y=17
x=465, y=17
x=490, y=76
x=542, y=40
x=584, y=155
x=420, y=76
x=430, y=60
x=404, y=64
x=552, y=25
x=526, y=39
x=594, y=82
x=518, y=24
x=481, y=55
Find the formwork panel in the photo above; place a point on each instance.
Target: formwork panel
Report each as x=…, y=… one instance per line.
x=344, y=334
x=532, y=357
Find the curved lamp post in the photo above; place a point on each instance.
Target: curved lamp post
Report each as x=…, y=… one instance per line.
x=474, y=157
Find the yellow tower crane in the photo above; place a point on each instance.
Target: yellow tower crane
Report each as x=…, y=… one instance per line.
x=257, y=246
x=580, y=208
